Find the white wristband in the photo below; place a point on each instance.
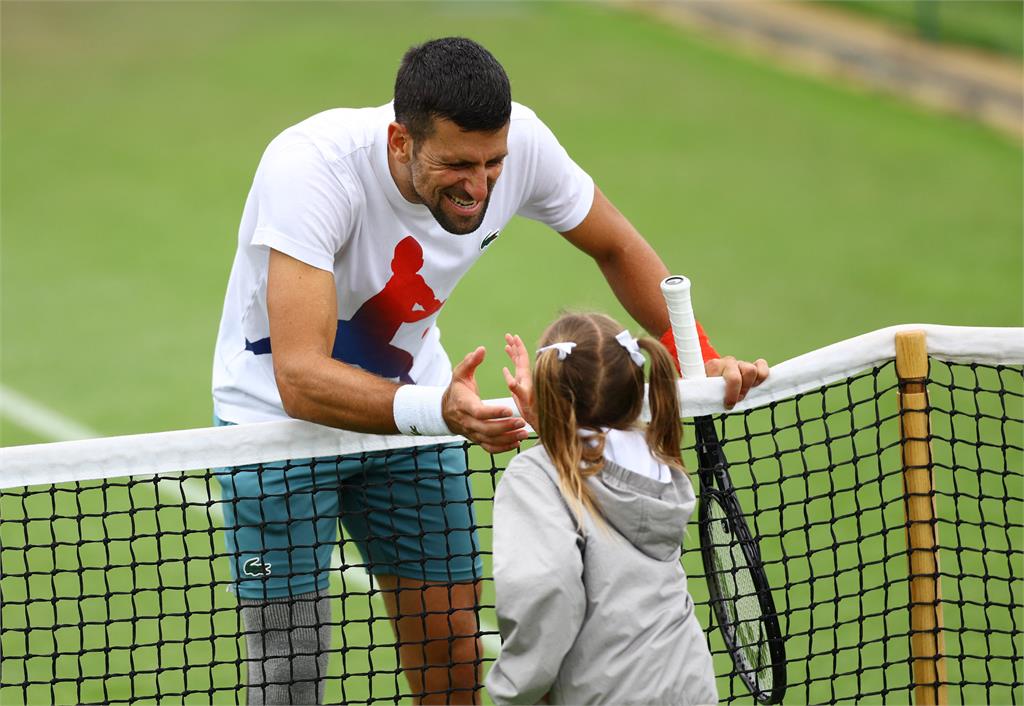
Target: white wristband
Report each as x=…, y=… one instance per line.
x=417, y=411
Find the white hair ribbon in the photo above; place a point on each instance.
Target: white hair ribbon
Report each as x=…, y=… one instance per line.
x=564, y=348
x=627, y=341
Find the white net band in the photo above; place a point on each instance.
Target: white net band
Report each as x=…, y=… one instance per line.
x=169, y=452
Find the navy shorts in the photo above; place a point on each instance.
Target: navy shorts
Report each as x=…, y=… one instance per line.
x=409, y=513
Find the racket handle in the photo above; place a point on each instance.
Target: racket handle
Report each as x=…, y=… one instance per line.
x=676, y=290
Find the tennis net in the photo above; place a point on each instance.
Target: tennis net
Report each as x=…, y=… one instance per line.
x=116, y=583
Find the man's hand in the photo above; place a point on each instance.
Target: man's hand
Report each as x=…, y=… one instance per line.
x=496, y=429
x=520, y=384
x=739, y=376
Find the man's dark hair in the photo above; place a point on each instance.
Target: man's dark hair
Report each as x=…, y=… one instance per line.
x=453, y=78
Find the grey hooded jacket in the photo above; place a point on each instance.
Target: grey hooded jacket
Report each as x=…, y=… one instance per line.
x=595, y=615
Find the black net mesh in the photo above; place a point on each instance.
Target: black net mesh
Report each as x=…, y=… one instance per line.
x=122, y=590
x=820, y=478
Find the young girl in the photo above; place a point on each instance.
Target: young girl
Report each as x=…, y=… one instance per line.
x=591, y=597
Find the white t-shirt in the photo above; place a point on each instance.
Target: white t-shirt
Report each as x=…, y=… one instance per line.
x=323, y=194
x=629, y=449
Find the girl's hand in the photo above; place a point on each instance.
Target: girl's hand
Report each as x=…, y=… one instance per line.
x=520, y=384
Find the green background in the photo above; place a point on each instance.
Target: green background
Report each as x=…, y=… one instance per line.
x=991, y=25
x=804, y=212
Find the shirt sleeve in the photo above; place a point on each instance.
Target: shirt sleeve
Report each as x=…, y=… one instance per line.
x=538, y=580
x=560, y=193
x=304, y=209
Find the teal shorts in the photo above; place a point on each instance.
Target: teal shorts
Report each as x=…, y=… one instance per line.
x=408, y=512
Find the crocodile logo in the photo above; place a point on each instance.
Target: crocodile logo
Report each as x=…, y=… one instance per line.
x=256, y=567
x=491, y=237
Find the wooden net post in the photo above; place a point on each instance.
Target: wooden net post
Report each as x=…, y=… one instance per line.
x=926, y=639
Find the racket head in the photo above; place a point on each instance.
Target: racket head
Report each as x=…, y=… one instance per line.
x=740, y=596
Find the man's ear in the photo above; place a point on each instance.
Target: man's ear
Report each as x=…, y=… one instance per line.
x=399, y=143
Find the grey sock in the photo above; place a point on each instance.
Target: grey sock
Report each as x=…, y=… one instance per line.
x=288, y=641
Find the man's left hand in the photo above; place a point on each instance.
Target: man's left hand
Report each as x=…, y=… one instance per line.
x=739, y=376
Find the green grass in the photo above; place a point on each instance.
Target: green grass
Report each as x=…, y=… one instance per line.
x=804, y=212
x=991, y=25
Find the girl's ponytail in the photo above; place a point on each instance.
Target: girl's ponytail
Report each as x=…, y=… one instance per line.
x=664, y=433
x=574, y=457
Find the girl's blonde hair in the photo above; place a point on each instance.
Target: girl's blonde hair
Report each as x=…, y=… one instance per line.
x=598, y=385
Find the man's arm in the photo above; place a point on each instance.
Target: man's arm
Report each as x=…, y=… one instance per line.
x=303, y=311
x=634, y=272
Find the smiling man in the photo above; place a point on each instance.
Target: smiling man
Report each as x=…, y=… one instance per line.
x=358, y=226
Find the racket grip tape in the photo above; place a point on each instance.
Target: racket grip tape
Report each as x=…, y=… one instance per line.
x=676, y=290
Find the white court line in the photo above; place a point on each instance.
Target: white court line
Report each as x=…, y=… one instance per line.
x=43, y=422
x=193, y=492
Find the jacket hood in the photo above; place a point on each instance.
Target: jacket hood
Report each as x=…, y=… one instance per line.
x=650, y=514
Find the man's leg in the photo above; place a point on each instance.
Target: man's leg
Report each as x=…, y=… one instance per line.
x=287, y=641
x=438, y=636
x=411, y=516
x=280, y=529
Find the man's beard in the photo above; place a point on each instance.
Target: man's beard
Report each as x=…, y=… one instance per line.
x=443, y=219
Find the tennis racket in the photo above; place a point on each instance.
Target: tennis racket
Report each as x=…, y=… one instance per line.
x=740, y=595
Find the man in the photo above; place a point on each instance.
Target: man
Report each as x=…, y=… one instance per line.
x=357, y=228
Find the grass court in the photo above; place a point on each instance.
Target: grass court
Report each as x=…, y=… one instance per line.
x=804, y=212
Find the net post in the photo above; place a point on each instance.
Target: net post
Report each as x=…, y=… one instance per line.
x=926, y=639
